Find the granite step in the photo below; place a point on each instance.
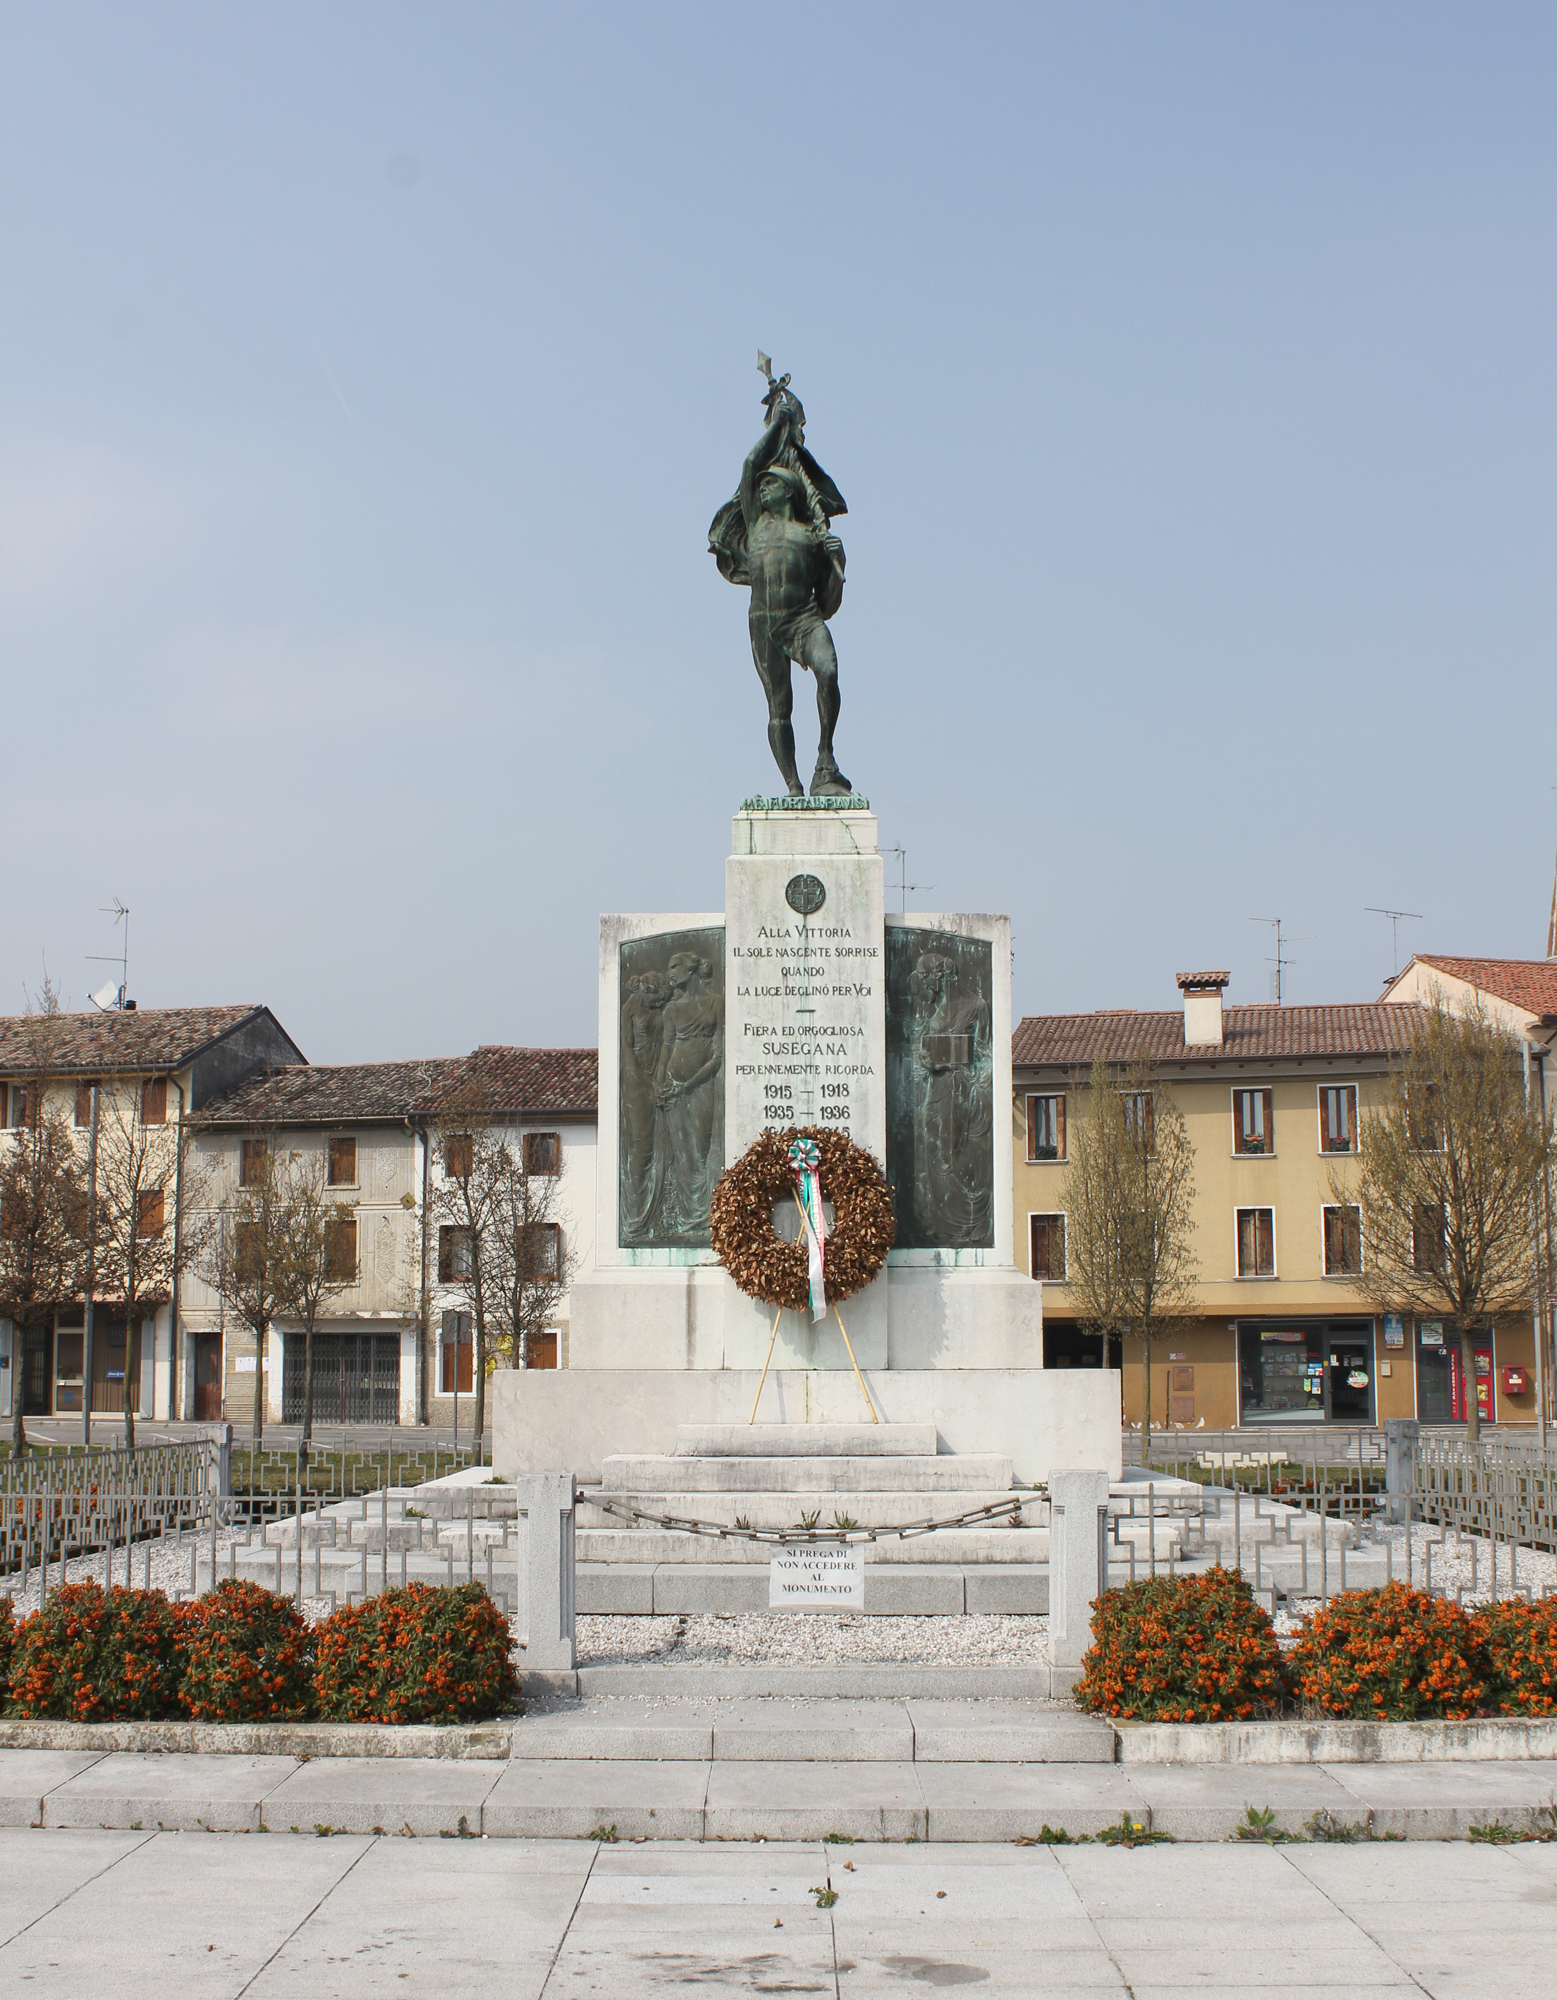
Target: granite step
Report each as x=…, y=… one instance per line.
x=948, y=1545
x=780, y=1730
x=786, y=1509
x=852, y=1473
x=892, y=1590
x=806, y=1441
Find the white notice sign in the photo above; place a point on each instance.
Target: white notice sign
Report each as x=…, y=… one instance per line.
x=802, y=1577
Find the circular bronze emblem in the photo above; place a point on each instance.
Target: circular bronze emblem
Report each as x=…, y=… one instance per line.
x=804, y=894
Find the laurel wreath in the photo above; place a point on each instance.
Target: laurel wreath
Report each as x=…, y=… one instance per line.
x=762, y=1264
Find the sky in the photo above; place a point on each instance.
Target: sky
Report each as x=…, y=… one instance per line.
x=369, y=376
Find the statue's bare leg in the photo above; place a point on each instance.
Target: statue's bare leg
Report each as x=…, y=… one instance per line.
x=777, y=684
x=822, y=659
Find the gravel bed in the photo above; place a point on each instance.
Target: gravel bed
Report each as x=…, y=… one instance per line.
x=169, y=1569
x=1461, y=1565
x=802, y=1639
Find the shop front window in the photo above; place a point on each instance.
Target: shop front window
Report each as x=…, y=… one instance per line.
x=1314, y=1372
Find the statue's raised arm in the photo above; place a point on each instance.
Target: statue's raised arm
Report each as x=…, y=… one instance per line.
x=776, y=535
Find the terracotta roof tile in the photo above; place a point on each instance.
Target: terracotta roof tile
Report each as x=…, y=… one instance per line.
x=522, y=1082
x=334, y=1093
x=1530, y=983
x=1199, y=982
x=564, y=1082
x=1073, y=1041
x=142, y=1038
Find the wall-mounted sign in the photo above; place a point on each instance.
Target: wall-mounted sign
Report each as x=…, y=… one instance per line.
x=1282, y=1333
x=1357, y=1379
x=1394, y=1330
x=1432, y=1333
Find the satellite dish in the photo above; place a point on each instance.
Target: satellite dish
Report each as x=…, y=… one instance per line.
x=106, y=997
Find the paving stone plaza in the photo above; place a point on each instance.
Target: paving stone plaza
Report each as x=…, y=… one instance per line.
x=221, y=1916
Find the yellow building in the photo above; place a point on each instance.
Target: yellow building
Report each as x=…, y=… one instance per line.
x=1271, y=1096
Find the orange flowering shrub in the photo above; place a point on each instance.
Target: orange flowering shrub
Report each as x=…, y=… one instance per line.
x=7, y=1639
x=250, y=1657
x=427, y=1653
x=1392, y=1655
x=95, y=1655
x=1182, y=1649
x=1521, y=1643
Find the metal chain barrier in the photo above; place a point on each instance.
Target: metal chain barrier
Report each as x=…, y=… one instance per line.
x=999, y=1513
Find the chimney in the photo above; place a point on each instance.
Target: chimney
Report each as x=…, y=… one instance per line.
x=1202, y=993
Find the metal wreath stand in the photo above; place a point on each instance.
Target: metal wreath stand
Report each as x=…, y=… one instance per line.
x=821, y=1267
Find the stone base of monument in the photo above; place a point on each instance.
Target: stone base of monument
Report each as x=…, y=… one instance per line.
x=649, y=1541
x=1031, y=1419
x=804, y=1004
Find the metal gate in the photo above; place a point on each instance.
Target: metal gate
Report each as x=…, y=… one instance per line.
x=356, y=1378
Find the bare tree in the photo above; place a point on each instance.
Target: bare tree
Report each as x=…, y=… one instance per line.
x=42, y=1197
x=530, y=1262
x=318, y=1247
x=145, y=1168
x=1451, y=1172
x=247, y=1254
x=467, y=1206
x=1129, y=1214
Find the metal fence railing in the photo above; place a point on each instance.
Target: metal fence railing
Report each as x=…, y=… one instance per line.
x=1303, y=1515
x=65, y=1502
x=69, y=1504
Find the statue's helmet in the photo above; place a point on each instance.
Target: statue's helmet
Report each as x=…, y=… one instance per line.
x=792, y=480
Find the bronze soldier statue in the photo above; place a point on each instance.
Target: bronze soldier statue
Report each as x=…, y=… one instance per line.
x=776, y=536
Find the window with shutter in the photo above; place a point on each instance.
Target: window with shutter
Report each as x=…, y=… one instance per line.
x=1337, y=1117
x=543, y=1153
x=249, y=1248
x=1048, y=1247
x=1256, y=1243
x=1428, y=1229
x=343, y=1163
x=541, y=1252
x=154, y=1101
x=1253, y=1122
x=151, y=1212
x=1045, y=1128
x=1343, y=1240
x=340, y=1252
x=453, y=1253
x=1139, y=1121
x=459, y=1154
x=254, y=1163
x=84, y=1104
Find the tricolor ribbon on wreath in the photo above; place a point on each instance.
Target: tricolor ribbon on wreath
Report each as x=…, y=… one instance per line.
x=806, y=1160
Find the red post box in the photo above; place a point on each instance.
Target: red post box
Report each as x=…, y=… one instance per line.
x=1515, y=1381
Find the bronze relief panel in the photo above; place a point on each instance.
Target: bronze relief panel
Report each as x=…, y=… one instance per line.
x=671, y=1099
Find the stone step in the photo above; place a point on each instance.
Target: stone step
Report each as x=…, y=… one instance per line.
x=906, y=1473
x=787, y=1509
x=799, y=1731
x=892, y=1590
x=950, y=1545
x=806, y=1441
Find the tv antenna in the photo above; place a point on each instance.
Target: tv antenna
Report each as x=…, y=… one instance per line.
x=1415, y=916
x=903, y=883
x=106, y=997
x=1281, y=961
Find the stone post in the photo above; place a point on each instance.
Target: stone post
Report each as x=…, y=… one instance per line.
x=1400, y=1436
x=546, y=1571
x=221, y=1436
x=1078, y=1560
